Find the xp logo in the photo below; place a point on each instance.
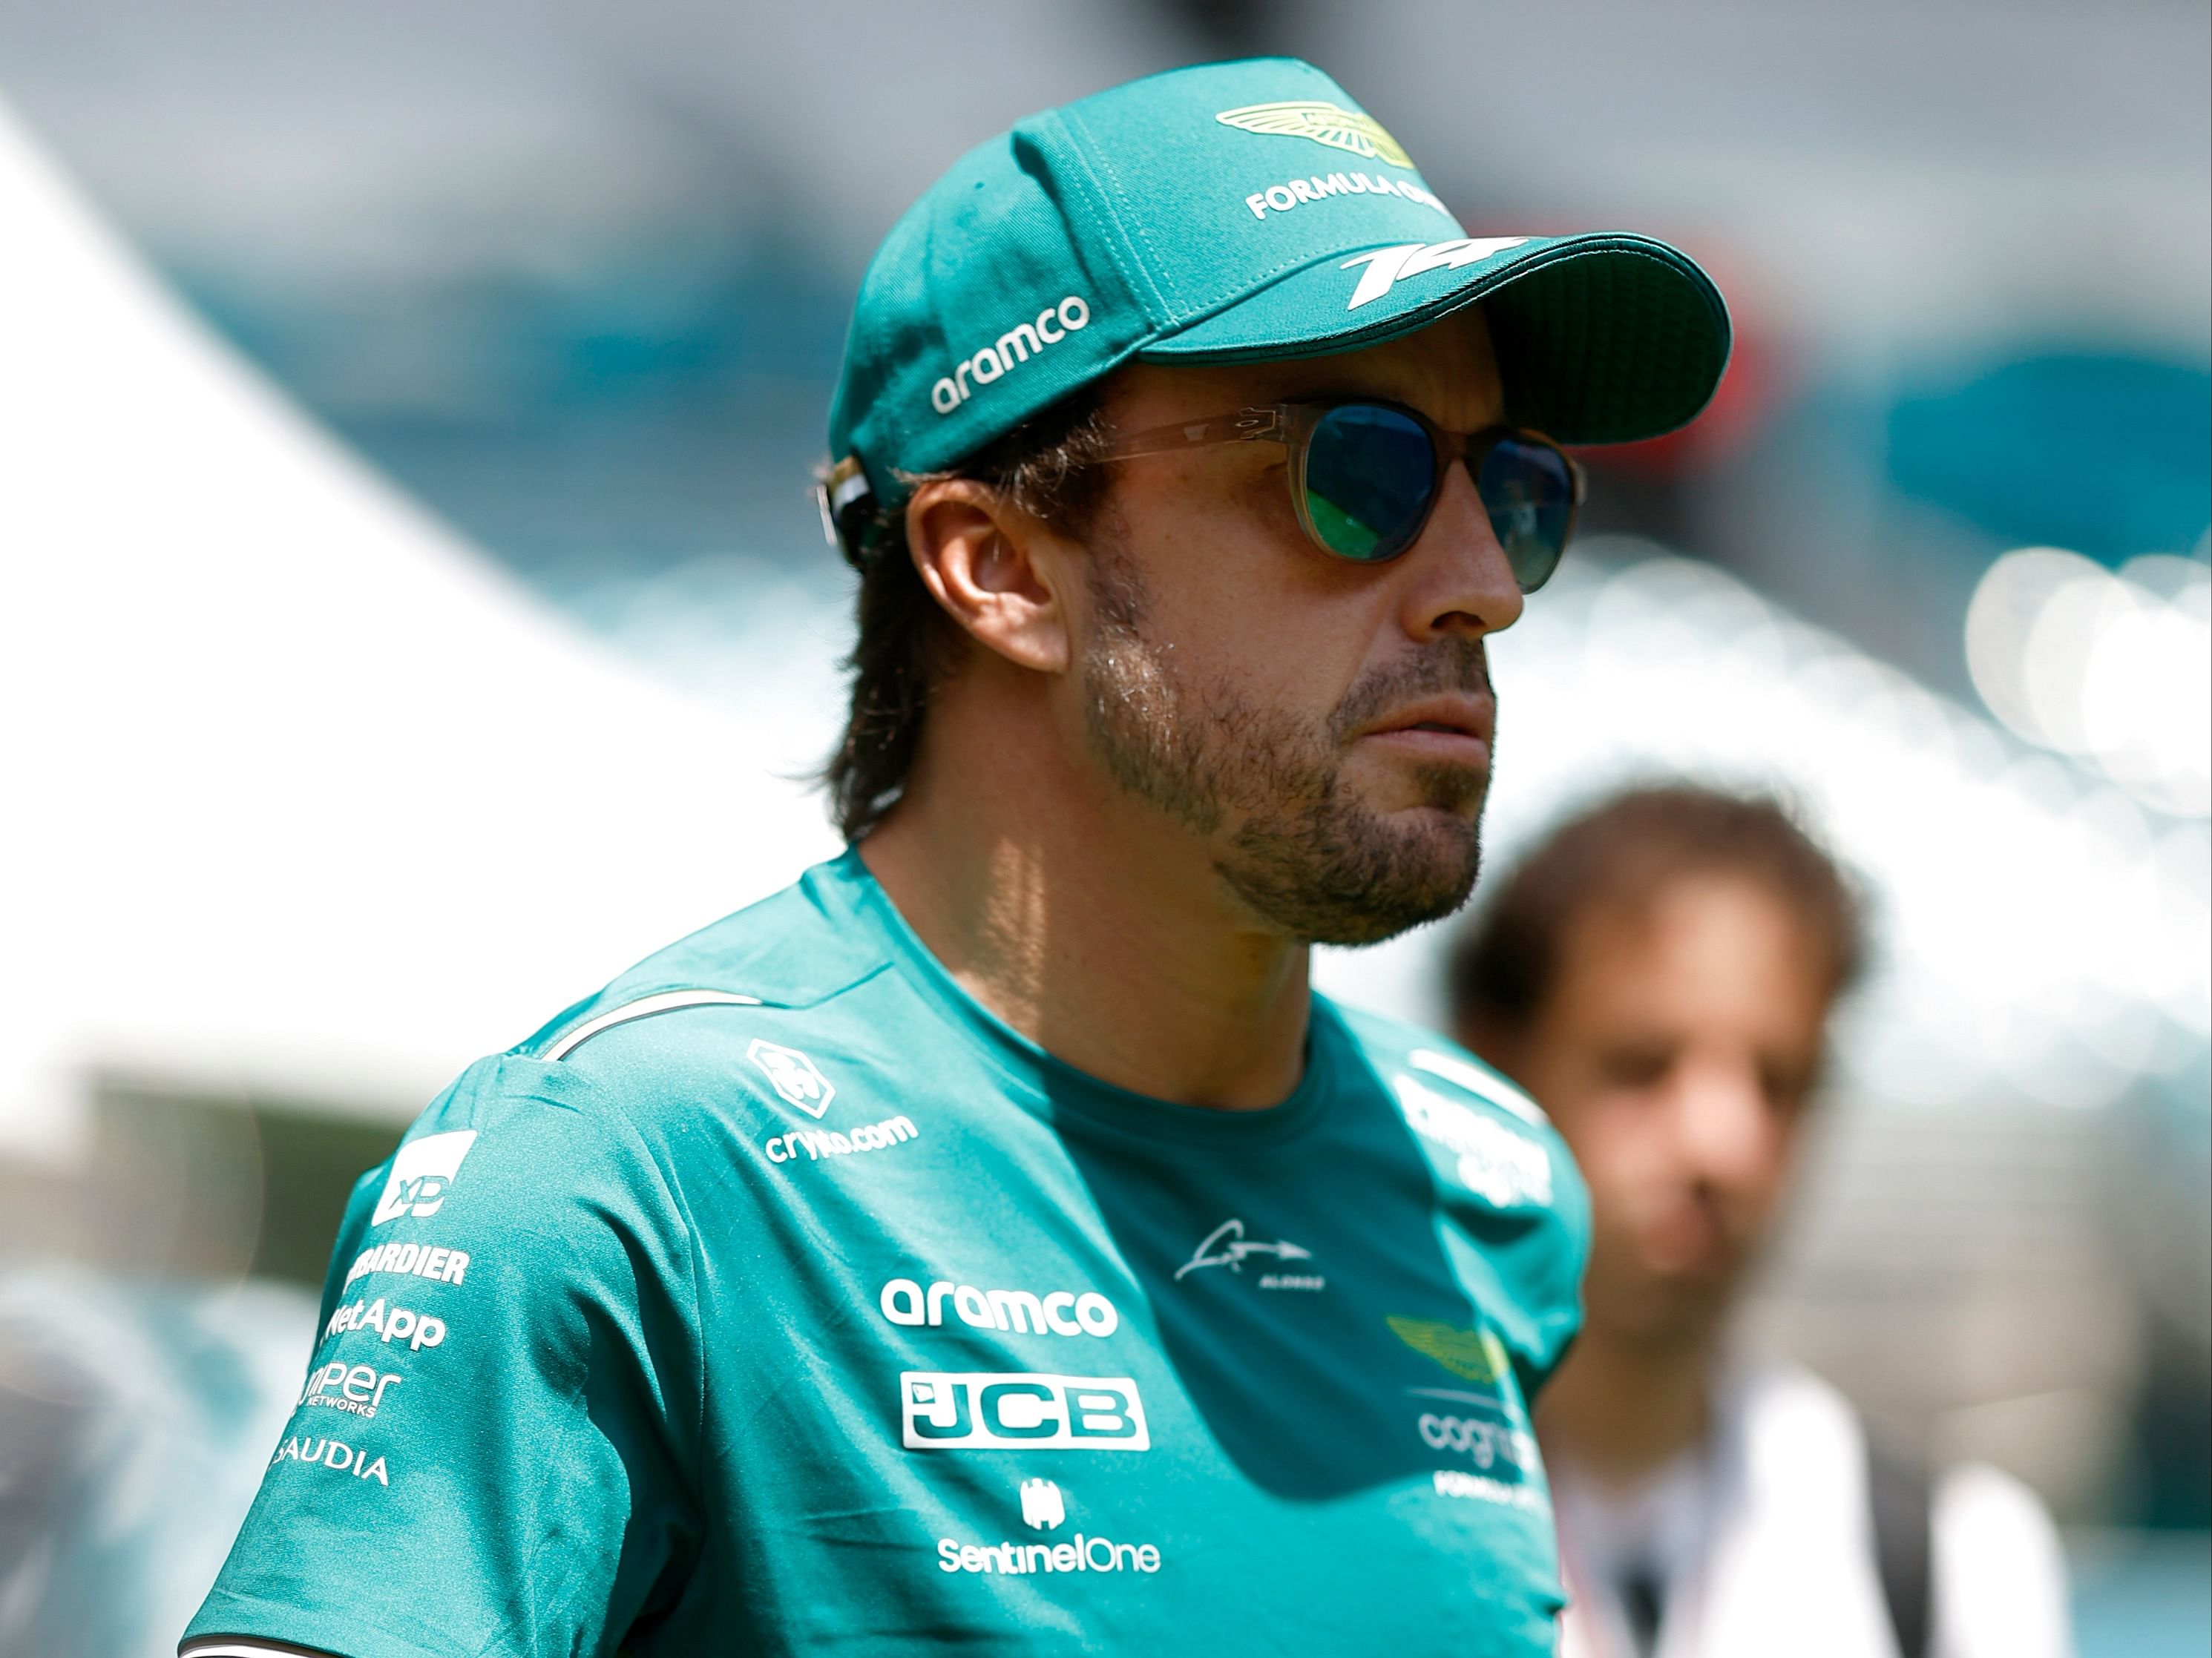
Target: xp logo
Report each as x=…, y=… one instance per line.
x=1388, y=266
x=421, y=1172
x=794, y=1076
x=1041, y=1507
x=1020, y=1410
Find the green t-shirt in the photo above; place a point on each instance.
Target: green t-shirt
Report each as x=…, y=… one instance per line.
x=780, y=1299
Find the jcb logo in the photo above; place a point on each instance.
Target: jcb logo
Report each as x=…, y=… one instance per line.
x=1019, y=1410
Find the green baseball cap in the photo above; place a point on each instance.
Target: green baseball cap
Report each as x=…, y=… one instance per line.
x=1231, y=212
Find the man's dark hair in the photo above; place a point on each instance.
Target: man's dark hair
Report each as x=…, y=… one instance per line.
x=1623, y=852
x=906, y=644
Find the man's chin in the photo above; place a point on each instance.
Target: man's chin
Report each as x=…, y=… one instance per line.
x=1368, y=881
x=1451, y=787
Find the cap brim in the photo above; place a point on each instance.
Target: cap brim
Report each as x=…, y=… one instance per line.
x=1601, y=339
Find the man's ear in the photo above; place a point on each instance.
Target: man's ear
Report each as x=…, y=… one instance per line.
x=998, y=571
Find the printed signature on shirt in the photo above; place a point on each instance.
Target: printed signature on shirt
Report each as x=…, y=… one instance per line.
x=1227, y=1246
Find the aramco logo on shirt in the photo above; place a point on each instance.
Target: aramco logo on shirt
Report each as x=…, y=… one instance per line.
x=1062, y=1312
x=1020, y=1410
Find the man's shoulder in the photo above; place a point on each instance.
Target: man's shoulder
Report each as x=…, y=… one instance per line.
x=794, y=953
x=1421, y=1067
x=1482, y=1131
x=757, y=1003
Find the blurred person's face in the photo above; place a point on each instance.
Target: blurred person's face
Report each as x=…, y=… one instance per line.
x=1325, y=726
x=1675, y=1054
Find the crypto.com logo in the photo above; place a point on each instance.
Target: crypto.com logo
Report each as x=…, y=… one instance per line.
x=794, y=1077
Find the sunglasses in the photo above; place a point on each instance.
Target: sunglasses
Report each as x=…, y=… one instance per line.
x=1364, y=476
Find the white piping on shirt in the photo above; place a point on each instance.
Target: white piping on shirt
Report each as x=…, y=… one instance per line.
x=1495, y=1090
x=224, y=1646
x=645, y=1007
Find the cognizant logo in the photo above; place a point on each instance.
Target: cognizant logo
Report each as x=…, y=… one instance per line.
x=1015, y=346
x=1062, y=1312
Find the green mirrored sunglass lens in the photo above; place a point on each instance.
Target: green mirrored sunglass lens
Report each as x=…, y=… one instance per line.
x=1528, y=491
x=1369, y=472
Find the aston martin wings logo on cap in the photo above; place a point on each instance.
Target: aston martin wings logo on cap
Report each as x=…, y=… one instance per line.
x=1325, y=124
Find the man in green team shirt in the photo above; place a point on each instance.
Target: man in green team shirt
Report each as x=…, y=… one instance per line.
x=990, y=1243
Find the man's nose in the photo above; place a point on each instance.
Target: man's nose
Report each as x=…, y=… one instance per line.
x=1458, y=578
x=1724, y=1128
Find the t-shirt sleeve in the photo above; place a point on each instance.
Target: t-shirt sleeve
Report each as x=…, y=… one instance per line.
x=1522, y=1239
x=488, y=1454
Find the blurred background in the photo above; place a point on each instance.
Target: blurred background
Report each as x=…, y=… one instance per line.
x=415, y=612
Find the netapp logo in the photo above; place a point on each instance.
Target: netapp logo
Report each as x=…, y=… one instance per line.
x=1062, y=1312
x=418, y=1330
x=1017, y=345
x=1019, y=1410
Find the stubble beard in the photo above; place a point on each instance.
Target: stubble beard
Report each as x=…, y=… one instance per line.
x=1305, y=855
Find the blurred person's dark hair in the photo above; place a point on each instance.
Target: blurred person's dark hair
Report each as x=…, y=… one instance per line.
x=1621, y=853
x=906, y=644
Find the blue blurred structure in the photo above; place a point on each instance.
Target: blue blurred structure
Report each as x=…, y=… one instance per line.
x=2105, y=453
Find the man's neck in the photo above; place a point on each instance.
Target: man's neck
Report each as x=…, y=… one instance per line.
x=1622, y=1407
x=1096, y=926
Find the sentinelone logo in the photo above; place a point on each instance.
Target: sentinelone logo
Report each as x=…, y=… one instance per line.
x=1044, y=1508
x=1018, y=1559
x=1019, y=1410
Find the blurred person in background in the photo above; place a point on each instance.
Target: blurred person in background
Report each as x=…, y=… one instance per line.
x=784, y=1297
x=1659, y=973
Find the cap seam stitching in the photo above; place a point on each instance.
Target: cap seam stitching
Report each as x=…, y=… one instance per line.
x=1122, y=245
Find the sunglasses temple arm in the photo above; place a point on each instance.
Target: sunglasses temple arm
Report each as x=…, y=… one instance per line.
x=1246, y=426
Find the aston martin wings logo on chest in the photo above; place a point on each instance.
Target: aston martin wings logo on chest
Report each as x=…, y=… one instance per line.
x=1325, y=124
x=1477, y=1355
